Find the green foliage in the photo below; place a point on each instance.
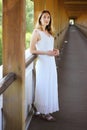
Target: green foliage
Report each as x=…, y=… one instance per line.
x=0, y=44
x=0, y=6
x=0, y=52
x=29, y=21
x=28, y=37
x=0, y=12
x=29, y=15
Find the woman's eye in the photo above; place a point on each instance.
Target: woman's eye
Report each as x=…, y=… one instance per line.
x=48, y=17
x=44, y=16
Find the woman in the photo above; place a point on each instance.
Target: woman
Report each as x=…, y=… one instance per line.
x=42, y=44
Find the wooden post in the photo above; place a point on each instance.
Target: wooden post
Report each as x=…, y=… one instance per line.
x=39, y=5
x=14, y=61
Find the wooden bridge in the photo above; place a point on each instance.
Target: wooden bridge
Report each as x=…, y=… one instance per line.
x=14, y=85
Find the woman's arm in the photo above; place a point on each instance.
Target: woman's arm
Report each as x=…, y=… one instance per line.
x=35, y=38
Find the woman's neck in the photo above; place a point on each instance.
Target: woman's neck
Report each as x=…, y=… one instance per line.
x=43, y=28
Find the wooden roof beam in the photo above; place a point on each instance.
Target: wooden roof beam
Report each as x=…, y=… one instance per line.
x=75, y=2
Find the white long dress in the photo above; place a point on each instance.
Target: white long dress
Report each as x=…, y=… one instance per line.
x=46, y=93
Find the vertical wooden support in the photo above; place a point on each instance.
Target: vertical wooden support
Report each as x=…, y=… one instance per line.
x=62, y=16
x=56, y=16
x=53, y=8
x=14, y=61
x=39, y=5
x=50, y=7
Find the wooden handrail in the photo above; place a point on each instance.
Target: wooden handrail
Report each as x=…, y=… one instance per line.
x=6, y=81
x=11, y=77
x=30, y=59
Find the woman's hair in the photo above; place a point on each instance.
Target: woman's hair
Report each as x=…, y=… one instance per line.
x=39, y=25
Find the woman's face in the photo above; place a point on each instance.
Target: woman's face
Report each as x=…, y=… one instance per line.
x=45, y=19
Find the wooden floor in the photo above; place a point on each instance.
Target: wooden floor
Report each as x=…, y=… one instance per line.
x=72, y=76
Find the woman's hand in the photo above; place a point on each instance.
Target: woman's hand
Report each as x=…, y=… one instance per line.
x=55, y=52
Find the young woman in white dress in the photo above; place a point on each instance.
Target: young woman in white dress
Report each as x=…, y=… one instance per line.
x=42, y=44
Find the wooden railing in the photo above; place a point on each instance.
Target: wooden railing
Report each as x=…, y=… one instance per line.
x=11, y=77
x=30, y=59
x=6, y=81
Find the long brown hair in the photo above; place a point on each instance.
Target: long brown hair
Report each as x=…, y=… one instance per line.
x=39, y=25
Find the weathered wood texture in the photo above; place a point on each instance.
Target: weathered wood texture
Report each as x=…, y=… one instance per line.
x=14, y=61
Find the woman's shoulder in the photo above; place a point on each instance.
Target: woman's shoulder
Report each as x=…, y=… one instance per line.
x=36, y=34
x=36, y=30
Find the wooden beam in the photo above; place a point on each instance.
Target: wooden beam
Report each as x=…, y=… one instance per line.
x=75, y=2
x=14, y=61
